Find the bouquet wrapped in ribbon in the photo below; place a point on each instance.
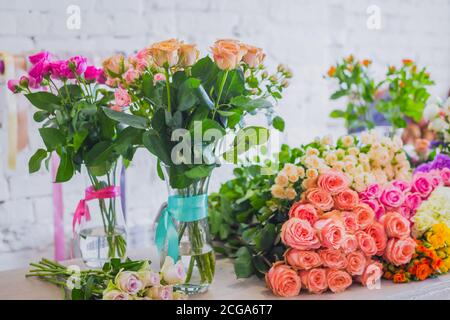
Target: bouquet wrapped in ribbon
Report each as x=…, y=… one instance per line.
x=185, y=107
x=69, y=97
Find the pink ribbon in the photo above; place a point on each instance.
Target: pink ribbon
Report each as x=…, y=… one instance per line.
x=91, y=194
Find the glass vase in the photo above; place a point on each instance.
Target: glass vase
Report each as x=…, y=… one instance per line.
x=102, y=233
x=194, y=241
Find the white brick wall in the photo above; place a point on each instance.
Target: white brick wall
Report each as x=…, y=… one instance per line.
x=308, y=35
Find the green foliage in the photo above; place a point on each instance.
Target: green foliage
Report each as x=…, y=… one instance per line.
x=245, y=219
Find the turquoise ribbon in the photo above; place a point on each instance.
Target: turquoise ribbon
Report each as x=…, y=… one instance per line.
x=183, y=209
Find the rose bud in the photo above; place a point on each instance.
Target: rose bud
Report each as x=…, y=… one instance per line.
x=173, y=273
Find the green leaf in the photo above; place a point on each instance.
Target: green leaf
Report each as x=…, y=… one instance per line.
x=77, y=294
x=34, y=164
x=337, y=114
x=87, y=108
x=278, y=123
x=40, y=116
x=159, y=119
x=200, y=171
x=75, y=92
x=44, y=100
x=177, y=178
x=243, y=266
x=265, y=238
x=79, y=138
x=128, y=119
x=204, y=98
x=205, y=125
x=186, y=94
x=156, y=145
x=249, y=104
x=234, y=85
x=65, y=169
x=205, y=70
x=338, y=94
x=99, y=153
x=159, y=170
x=126, y=139
x=52, y=138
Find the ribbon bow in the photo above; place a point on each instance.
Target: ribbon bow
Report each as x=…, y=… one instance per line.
x=183, y=209
x=91, y=194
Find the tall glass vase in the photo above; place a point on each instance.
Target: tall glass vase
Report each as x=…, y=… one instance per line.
x=101, y=230
x=194, y=242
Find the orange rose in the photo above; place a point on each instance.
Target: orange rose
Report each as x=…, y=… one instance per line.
x=399, y=278
x=188, y=54
x=334, y=259
x=331, y=233
x=423, y=271
x=315, y=280
x=254, y=56
x=350, y=222
x=227, y=53
x=346, y=200
x=407, y=62
x=366, y=62
x=376, y=231
x=165, y=53
x=115, y=66
x=365, y=215
x=349, y=244
x=304, y=211
x=396, y=225
x=299, y=234
x=333, y=182
x=338, y=280
x=303, y=259
x=283, y=281
x=366, y=243
x=356, y=263
x=320, y=199
x=400, y=251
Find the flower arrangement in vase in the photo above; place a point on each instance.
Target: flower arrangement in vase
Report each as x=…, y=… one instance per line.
x=69, y=97
x=185, y=107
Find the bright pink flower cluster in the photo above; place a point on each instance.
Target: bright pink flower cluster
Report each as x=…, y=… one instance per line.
x=404, y=197
x=332, y=238
x=43, y=65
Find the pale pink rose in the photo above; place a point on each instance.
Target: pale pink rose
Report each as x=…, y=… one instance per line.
x=392, y=197
x=160, y=293
x=131, y=75
x=304, y=211
x=165, y=53
x=188, y=54
x=299, y=234
x=445, y=175
x=122, y=98
x=333, y=181
x=377, y=232
x=356, y=263
x=346, y=200
x=338, y=280
x=331, y=233
x=372, y=274
x=376, y=206
x=334, y=259
x=422, y=184
x=320, y=199
x=403, y=186
x=112, y=82
x=436, y=179
x=302, y=259
x=396, y=225
x=128, y=282
x=283, y=281
x=349, y=244
x=364, y=215
x=315, y=280
x=227, y=54
x=413, y=201
x=400, y=251
x=350, y=222
x=115, y=295
x=254, y=56
x=372, y=192
x=366, y=243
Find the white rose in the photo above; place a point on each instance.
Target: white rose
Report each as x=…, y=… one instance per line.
x=173, y=273
x=431, y=111
x=439, y=125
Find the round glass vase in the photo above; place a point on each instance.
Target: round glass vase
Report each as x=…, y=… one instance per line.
x=194, y=242
x=103, y=235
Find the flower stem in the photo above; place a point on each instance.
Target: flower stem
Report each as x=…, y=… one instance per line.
x=222, y=84
x=166, y=72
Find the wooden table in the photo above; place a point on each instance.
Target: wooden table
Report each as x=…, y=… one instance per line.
x=14, y=285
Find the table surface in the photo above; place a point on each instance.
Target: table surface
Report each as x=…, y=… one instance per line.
x=14, y=285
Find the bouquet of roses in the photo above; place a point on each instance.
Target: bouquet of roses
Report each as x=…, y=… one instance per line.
x=129, y=280
x=332, y=239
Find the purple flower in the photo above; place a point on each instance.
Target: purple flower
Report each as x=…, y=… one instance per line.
x=2, y=67
x=424, y=167
x=441, y=161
